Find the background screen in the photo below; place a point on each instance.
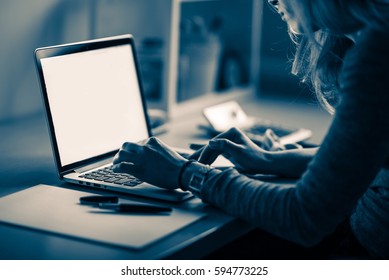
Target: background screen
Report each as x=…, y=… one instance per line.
x=95, y=102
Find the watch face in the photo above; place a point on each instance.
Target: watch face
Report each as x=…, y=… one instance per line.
x=196, y=183
x=197, y=180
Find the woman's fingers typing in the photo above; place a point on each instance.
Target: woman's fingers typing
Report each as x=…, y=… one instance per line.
x=218, y=147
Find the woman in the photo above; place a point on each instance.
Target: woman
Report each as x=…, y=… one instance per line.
x=343, y=52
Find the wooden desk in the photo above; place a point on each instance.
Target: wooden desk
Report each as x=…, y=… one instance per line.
x=26, y=160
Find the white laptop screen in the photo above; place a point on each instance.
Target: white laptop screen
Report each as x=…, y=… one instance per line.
x=95, y=102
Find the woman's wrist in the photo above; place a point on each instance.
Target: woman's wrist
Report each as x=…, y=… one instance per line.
x=291, y=163
x=180, y=174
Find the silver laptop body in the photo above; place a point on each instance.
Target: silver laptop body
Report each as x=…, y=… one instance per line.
x=94, y=103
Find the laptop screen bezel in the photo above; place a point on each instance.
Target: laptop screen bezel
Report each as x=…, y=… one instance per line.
x=73, y=48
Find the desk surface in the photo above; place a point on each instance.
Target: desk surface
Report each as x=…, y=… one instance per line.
x=26, y=160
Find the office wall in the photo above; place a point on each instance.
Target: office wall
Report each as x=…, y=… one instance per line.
x=24, y=26
x=28, y=24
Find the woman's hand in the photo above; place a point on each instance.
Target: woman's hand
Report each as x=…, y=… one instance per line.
x=152, y=162
x=249, y=157
x=233, y=144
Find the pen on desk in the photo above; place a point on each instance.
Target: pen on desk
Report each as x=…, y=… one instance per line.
x=134, y=208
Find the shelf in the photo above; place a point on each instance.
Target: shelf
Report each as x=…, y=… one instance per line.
x=224, y=61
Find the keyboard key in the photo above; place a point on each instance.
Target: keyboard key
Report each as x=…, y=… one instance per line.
x=131, y=184
x=111, y=180
x=124, y=180
x=102, y=178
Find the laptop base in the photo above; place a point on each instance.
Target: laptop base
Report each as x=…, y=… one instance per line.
x=143, y=190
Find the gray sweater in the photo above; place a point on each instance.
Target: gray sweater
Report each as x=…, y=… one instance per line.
x=346, y=178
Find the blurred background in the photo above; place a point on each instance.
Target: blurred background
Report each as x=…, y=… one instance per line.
x=192, y=52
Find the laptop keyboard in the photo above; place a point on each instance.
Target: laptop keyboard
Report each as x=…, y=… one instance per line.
x=107, y=175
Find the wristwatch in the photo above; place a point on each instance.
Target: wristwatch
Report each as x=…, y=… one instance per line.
x=198, y=177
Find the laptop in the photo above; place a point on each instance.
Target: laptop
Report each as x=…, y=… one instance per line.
x=94, y=103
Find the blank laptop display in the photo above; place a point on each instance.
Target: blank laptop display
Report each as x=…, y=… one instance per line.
x=95, y=102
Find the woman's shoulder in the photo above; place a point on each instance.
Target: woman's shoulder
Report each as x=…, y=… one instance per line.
x=376, y=37
x=371, y=49
x=366, y=65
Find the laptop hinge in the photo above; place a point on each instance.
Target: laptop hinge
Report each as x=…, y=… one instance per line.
x=93, y=165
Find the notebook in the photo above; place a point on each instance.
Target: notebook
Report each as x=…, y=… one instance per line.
x=94, y=103
x=57, y=210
